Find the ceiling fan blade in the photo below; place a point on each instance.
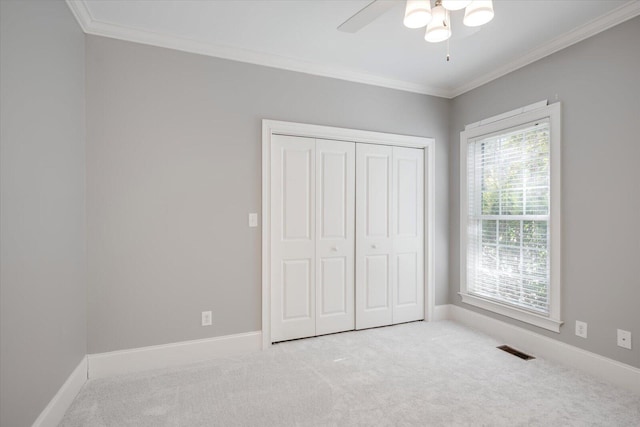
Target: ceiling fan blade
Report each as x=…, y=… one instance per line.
x=367, y=15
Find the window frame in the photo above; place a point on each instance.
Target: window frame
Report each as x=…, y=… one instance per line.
x=499, y=124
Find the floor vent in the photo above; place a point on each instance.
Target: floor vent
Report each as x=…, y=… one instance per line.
x=510, y=350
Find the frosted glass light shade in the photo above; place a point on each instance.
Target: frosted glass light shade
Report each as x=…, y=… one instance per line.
x=455, y=4
x=479, y=12
x=439, y=29
x=417, y=13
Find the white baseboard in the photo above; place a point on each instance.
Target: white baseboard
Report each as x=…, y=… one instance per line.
x=55, y=410
x=168, y=355
x=442, y=312
x=601, y=367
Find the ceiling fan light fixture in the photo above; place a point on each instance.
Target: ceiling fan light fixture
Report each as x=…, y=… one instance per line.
x=417, y=13
x=439, y=29
x=455, y=4
x=479, y=12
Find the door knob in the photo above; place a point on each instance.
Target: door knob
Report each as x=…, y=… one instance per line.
x=374, y=246
x=334, y=249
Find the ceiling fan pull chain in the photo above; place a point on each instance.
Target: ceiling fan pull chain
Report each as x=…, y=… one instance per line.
x=451, y=29
x=448, y=57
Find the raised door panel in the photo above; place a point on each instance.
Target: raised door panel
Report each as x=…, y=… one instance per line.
x=374, y=247
x=408, y=234
x=333, y=285
x=335, y=207
x=407, y=279
x=334, y=188
x=407, y=202
x=376, y=282
x=296, y=194
x=377, y=196
x=296, y=288
x=292, y=238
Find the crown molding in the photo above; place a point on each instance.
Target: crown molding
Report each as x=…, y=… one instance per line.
x=81, y=13
x=611, y=19
x=99, y=28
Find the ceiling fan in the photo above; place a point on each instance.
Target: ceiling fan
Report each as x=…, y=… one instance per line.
x=419, y=13
x=367, y=15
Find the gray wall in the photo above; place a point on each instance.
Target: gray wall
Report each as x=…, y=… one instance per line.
x=174, y=167
x=42, y=217
x=597, y=82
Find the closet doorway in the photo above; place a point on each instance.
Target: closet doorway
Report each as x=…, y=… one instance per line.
x=347, y=230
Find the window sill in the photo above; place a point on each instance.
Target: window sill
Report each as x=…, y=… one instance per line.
x=515, y=313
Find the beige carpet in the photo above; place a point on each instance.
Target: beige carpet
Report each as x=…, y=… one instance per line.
x=417, y=374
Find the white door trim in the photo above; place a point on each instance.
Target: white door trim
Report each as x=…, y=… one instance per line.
x=271, y=127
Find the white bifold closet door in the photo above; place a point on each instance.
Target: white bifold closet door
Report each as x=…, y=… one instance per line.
x=312, y=237
x=389, y=235
x=335, y=236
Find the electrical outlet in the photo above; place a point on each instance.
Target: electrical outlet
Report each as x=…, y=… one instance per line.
x=581, y=329
x=624, y=339
x=206, y=318
x=253, y=220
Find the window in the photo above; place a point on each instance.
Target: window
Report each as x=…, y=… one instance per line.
x=510, y=248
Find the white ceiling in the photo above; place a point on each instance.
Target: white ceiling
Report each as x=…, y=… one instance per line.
x=301, y=35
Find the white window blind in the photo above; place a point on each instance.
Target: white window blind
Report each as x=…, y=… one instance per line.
x=508, y=242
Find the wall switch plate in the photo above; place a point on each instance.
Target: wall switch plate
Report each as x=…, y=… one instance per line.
x=253, y=220
x=624, y=339
x=581, y=329
x=207, y=319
